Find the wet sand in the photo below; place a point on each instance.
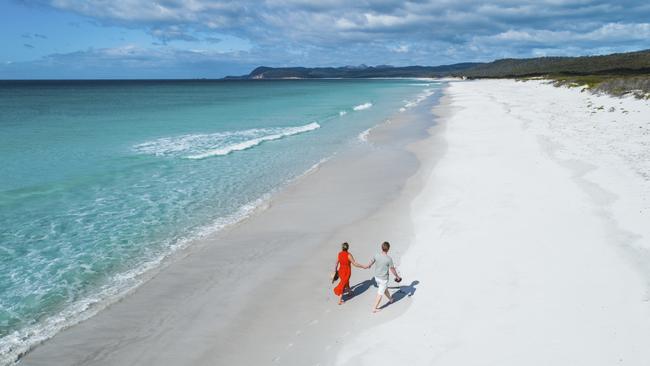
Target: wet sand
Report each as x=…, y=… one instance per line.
x=259, y=292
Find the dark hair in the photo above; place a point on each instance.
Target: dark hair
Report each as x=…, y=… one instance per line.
x=345, y=246
x=385, y=246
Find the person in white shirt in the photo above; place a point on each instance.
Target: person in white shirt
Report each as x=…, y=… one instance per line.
x=383, y=263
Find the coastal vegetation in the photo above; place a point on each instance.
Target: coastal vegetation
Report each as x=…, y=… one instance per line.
x=616, y=74
x=618, y=85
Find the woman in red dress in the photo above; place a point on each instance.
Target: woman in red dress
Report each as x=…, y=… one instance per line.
x=343, y=262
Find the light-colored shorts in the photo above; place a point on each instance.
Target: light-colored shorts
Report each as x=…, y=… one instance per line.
x=382, y=285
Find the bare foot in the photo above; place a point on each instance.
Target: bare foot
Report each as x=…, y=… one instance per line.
x=341, y=302
x=376, y=310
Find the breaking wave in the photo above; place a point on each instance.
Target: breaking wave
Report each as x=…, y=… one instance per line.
x=363, y=106
x=201, y=146
x=418, y=99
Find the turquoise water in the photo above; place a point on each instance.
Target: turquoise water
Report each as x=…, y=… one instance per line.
x=100, y=180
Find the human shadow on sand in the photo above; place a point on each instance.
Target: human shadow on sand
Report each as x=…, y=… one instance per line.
x=359, y=288
x=402, y=292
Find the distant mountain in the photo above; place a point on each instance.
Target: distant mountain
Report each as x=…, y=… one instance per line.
x=361, y=71
x=630, y=63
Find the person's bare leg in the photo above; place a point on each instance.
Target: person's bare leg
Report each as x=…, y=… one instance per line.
x=376, y=307
x=341, y=299
x=390, y=298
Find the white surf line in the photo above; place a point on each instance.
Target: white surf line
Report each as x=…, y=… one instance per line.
x=244, y=145
x=362, y=107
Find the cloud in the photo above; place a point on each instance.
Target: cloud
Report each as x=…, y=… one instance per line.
x=212, y=39
x=27, y=45
x=605, y=38
x=618, y=32
x=402, y=48
x=339, y=32
x=33, y=36
x=327, y=22
x=172, y=33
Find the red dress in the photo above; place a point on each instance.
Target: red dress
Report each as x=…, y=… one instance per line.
x=344, y=273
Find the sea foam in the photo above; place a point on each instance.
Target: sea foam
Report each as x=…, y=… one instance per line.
x=255, y=141
x=363, y=135
x=201, y=146
x=362, y=107
x=418, y=99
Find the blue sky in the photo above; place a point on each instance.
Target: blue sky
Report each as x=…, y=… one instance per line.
x=207, y=38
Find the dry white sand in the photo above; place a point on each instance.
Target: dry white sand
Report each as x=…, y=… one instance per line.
x=531, y=235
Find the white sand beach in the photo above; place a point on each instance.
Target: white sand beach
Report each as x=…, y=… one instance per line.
x=520, y=226
x=531, y=237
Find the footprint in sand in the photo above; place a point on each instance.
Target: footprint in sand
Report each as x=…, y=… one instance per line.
x=313, y=322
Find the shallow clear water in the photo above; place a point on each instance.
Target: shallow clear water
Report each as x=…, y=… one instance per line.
x=100, y=180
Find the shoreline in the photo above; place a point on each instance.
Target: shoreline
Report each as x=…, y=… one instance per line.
x=93, y=271
x=78, y=342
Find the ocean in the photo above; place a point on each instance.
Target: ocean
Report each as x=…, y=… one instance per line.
x=101, y=180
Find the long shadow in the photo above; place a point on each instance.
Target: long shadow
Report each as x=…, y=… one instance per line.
x=359, y=288
x=402, y=292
